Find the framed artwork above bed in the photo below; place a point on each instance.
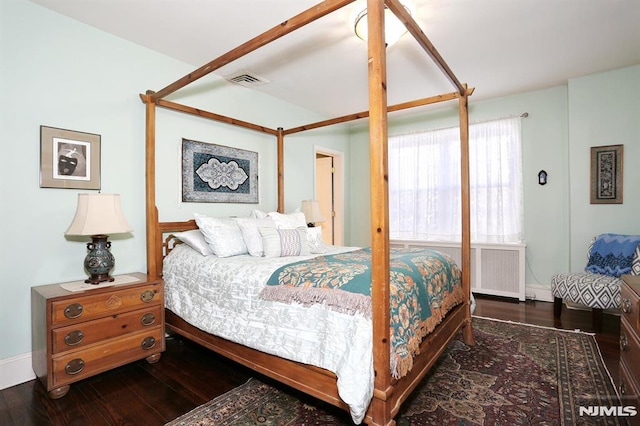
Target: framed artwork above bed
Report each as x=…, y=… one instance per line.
x=218, y=174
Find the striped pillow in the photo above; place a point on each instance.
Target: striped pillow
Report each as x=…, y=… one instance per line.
x=284, y=242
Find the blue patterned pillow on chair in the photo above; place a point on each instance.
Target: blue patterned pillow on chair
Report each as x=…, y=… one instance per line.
x=614, y=254
x=635, y=265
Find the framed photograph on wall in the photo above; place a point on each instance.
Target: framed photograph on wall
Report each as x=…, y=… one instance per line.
x=606, y=174
x=69, y=159
x=218, y=174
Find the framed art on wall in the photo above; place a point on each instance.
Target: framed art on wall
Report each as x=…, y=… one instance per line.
x=218, y=174
x=606, y=174
x=69, y=159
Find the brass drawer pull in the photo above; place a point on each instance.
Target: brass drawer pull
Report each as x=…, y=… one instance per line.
x=148, y=343
x=148, y=319
x=626, y=306
x=73, y=311
x=624, y=343
x=623, y=388
x=74, y=366
x=147, y=295
x=73, y=337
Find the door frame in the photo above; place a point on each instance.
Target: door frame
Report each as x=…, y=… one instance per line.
x=338, y=189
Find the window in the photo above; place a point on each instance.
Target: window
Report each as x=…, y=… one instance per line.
x=424, y=183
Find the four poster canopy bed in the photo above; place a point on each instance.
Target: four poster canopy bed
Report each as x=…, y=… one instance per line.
x=366, y=324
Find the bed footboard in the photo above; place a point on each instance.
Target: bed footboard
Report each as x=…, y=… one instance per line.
x=311, y=380
x=321, y=383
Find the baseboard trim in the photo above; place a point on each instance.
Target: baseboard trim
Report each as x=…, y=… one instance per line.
x=538, y=292
x=16, y=370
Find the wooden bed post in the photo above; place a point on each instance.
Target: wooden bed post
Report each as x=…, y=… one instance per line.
x=154, y=262
x=280, y=170
x=379, y=213
x=463, y=107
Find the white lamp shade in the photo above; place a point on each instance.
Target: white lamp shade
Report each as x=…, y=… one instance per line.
x=98, y=214
x=311, y=210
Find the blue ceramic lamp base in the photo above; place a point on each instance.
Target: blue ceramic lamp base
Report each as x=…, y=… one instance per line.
x=99, y=261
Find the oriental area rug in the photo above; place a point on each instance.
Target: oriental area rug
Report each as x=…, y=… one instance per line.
x=516, y=374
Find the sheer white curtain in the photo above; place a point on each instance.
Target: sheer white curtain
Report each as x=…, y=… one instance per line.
x=424, y=183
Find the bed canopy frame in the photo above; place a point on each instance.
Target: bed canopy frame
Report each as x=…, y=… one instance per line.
x=389, y=393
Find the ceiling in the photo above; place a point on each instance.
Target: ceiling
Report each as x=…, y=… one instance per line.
x=500, y=47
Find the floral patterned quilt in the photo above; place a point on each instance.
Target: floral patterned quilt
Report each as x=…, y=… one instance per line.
x=424, y=285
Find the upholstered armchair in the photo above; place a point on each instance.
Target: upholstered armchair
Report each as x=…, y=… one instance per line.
x=598, y=286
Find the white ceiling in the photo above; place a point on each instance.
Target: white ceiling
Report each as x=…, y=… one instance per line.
x=500, y=47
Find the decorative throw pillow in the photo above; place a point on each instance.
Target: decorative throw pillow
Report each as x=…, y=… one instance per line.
x=251, y=234
x=195, y=240
x=223, y=235
x=591, y=243
x=635, y=264
x=613, y=254
x=288, y=221
x=314, y=237
x=284, y=242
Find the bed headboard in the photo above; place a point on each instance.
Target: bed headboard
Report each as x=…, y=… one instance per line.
x=166, y=241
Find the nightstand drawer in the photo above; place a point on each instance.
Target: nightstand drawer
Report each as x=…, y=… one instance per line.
x=630, y=307
x=629, y=348
x=629, y=394
x=73, y=337
x=86, y=307
x=73, y=366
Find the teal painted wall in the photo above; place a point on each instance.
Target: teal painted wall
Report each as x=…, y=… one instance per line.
x=58, y=72
x=604, y=111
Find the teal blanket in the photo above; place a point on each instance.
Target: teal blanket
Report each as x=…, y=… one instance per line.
x=424, y=285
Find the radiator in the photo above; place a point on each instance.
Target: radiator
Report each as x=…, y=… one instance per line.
x=496, y=269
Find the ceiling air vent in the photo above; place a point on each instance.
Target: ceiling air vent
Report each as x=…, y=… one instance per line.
x=247, y=79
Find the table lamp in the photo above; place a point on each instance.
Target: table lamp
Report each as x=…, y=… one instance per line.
x=98, y=215
x=311, y=210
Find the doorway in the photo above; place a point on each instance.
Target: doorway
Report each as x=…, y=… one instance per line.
x=329, y=178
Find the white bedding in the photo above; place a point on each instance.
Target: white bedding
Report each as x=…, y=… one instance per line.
x=221, y=297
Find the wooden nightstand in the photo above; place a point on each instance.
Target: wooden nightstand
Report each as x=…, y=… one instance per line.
x=630, y=343
x=78, y=334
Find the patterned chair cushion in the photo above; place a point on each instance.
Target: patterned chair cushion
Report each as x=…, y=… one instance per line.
x=585, y=288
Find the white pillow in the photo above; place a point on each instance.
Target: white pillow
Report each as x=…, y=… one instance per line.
x=195, y=240
x=223, y=235
x=284, y=242
x=314, y=237
x=251, y=234
x=288, y=221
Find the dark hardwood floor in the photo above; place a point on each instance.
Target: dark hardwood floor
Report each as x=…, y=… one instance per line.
x=188, y=375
